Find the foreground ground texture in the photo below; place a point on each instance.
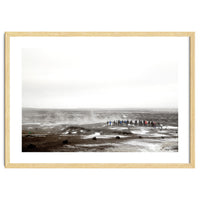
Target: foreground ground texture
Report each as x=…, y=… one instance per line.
x=98, y=137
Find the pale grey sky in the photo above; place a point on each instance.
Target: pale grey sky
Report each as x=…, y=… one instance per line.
x=98, y=72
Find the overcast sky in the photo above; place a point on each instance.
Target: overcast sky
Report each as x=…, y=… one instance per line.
x=102, y=72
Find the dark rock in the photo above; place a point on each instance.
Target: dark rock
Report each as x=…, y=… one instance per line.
x=94, y=138
x=117, y=137
x=126, y=133
x=163, y=137
x=65, y=142
x=140, y=136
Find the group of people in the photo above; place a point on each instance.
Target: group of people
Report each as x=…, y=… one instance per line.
x=133, y=122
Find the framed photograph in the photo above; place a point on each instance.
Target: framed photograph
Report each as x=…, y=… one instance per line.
x=99, y=99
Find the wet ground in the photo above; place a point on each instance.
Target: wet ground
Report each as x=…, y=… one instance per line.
x=98, y=137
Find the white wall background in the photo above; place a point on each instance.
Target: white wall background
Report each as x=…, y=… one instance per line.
x=104, y=15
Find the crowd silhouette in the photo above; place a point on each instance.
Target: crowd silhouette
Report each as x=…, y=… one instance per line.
x=150, y=123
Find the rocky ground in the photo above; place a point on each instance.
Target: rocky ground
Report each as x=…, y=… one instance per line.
x=98, y=138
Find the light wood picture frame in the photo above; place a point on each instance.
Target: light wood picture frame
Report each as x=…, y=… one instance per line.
x=190, y=35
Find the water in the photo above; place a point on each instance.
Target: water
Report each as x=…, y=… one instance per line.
x=66, y=116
